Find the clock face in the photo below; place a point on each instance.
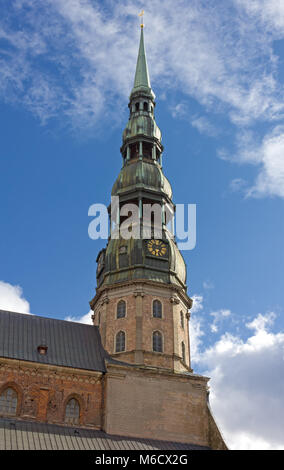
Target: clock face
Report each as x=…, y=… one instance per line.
x=157, y=248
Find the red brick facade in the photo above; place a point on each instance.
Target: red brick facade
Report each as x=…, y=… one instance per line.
x=138, y=401
x=43, y=391
x=139, y=324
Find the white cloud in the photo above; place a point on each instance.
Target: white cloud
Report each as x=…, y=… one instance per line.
x=208, y=284
x=87, y=318
x=179, y=111
x=247, y=385
x=195, y=333
x=197, y=303
x=219, y=316
x=238, y=184
x=270, y=180
x=204, y=126
x=270, y=13
x=201, y=123
x=195, y=326
x=267, y=156
x=11, y=298
x=262, y=322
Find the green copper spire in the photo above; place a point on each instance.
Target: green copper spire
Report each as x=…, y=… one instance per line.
x=142, y=74
x=142, y=79
x=142, y=137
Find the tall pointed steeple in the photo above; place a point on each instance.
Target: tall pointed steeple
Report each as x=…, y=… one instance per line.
x=142, y=263
x=142, y=137
x=142, y=74
x=142, y=78
x=141, y=306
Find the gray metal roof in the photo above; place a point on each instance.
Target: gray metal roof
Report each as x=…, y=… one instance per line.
x=68, y=344
x=25, y=435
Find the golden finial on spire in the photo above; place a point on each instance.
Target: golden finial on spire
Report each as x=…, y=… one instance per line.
x=141, y=14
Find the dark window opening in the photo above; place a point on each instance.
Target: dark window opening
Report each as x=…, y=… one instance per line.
x=145, y=106
x=134, y=150
x=42, y=349
x=157, y=342
x=183, y=351
x=181, y=320
x=120, y=342
x=147, y=150
x=157, y=309
x=158, y=156
x=121, y=309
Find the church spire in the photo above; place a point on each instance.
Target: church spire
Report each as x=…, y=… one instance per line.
x=142, y=74
x=143, y=269
x=141, y=137
x=142, y=79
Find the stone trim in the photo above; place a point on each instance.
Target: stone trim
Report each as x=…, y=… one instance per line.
x=131, y=283
x=113, y=369
x=49, y=371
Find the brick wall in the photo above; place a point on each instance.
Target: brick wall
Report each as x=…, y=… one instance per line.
x=139, y=324
x=163, y=406
x=44, y=390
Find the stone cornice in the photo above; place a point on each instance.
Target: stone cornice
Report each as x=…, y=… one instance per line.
x=117, y=370
x=134, y=282
x=51, y=371
x=139, y=293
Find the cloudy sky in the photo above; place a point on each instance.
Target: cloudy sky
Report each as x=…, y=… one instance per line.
x=217, y=69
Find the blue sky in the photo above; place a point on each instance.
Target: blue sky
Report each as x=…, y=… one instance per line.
x=216, y=67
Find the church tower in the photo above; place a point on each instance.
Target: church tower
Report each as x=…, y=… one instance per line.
x=139, y=388
x=141, y=304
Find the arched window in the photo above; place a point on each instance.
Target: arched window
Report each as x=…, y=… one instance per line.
x=157, y=309
x=120, y=342
x=8, y=402
x=72, y=412
x=181, y=320
x=145, y=106
x=157, y=341
x=183, y=351
x=137, y=106
x=121, y=309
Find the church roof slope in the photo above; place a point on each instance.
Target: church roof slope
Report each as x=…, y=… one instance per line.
x=25, y=435
x=69, y=344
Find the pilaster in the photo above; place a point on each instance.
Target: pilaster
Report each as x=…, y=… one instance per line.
x=139, y=354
